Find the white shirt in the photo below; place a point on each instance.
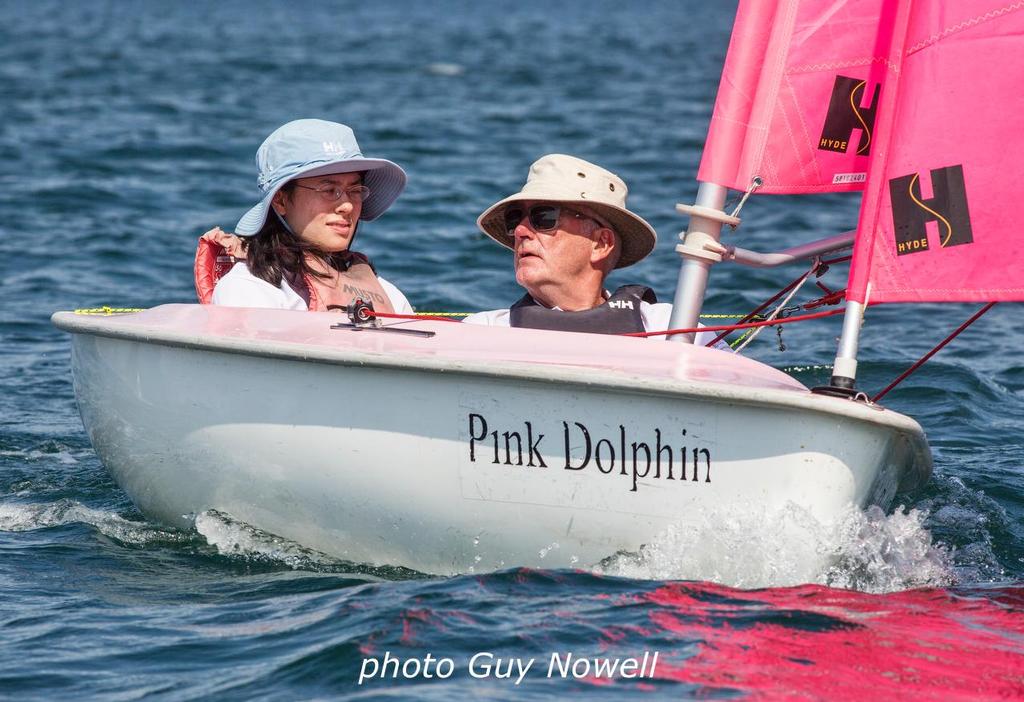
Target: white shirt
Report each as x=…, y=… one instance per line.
x=240, y=288
x=655, y=318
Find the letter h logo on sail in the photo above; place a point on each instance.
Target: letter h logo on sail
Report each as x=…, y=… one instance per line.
x=947, y=207
x=845, y=114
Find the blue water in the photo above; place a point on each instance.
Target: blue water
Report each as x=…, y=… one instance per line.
x=129, y=129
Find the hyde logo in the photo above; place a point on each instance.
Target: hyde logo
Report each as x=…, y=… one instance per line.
x=947, y=207
x=845, y=114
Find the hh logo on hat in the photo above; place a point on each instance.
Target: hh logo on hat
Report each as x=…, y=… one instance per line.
x=334, y=147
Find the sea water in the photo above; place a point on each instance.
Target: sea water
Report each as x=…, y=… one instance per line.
x=129, y=128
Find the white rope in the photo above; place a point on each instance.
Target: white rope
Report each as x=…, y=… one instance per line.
x=782, y=305
x=755, y=183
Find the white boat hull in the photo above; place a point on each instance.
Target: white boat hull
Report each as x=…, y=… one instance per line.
x=434, y=455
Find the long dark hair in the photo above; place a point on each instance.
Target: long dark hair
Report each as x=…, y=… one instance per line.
x=275, y=253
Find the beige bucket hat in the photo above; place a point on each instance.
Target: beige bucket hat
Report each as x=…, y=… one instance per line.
x=562, y=179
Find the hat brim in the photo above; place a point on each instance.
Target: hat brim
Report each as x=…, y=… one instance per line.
x=385, y=179
x=635, y=234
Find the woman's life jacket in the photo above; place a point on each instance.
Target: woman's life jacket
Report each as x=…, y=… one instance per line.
x=218, y=251
x=619, y=314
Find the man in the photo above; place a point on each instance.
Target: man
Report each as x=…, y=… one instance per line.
x=568, y=228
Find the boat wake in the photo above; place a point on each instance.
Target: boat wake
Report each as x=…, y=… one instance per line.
x=866, y=550
x=18, y=516
x=215, y=534
x=226, y=536
x=238, y=540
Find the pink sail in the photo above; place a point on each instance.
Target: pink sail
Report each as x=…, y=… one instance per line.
x=943, y=211
x=799, y=93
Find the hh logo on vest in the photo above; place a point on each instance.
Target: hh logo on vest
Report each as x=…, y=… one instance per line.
x=947, y=207
x=846, y=114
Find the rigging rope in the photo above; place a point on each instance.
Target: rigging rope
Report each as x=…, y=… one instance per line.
x=781, y=306
x=920, y=362
x=831, y=298
x=747, y=325
x=446, y=317
x=444, y=314
x=418, y=315
x=108, y=311
x=755, y=183
x=757, y=310
x=668, y=332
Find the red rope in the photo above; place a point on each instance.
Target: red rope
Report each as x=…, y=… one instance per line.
x=754, y=313
x=748, y=325
x=832, y=298
x=921, y=361
x=669, y=332
x=394, y=315
x=744, y=323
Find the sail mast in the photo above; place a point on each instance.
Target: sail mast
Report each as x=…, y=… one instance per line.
x=892, y=21
x=844, y=368
x=793, y=115
x=700, y=250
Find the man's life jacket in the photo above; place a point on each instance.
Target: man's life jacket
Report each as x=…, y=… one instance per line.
x=619, y=314
x=217, y=254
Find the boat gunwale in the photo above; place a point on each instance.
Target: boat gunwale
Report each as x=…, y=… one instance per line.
x=510, y=369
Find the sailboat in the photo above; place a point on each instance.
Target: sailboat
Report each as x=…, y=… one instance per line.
x=449, y=448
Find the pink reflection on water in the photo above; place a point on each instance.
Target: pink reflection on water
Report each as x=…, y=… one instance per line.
x=812, y=642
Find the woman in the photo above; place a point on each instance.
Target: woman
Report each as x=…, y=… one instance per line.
x=296, y=242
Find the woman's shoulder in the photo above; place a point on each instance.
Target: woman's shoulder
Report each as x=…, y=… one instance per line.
x=239, y=273
x=398, y=299
x=240, y=288
x=241, y=278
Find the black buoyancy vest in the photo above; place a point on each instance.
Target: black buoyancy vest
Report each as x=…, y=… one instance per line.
x=620, y=314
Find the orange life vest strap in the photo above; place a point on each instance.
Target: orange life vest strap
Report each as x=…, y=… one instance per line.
x=212, y=262
x=342, y=288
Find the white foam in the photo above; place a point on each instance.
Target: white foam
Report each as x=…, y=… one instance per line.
x=240, y=540
x=875, y=552
x=64, y=457
x=445, y=69
x=864, y=550
x=973, y=518
x=28, y=516
x=803, y=369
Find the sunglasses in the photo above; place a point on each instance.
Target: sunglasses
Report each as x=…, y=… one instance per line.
x=543, y=218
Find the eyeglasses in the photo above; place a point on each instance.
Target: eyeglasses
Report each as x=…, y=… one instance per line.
x=543, y=218
x=333, y=193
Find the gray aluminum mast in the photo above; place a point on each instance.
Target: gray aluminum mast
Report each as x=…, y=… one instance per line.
x=700, y=250
x=844, y=370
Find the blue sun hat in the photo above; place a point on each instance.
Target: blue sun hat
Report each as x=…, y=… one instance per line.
x=311, y=147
